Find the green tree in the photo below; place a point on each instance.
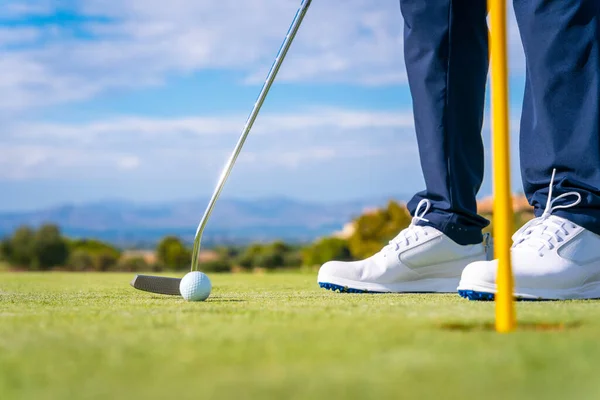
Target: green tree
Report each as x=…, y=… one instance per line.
x=249, y=258
x=4, y=250
x=375, y=229
x=280, y=247
x=228, y=252
x=80, y=260
x=132, y=264
x=218, y=265
x=326, y=249
x=270, y=258
x=172, y=253
x=274, y=255
x=103, y=256
x=105, y=260
x=20, y=247
x=293, y=258
x=50, y=249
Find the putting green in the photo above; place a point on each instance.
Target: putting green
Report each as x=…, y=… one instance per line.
x=279, y=336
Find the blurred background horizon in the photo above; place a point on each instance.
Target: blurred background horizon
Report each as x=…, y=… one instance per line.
x=143, y=101
x=116, y=119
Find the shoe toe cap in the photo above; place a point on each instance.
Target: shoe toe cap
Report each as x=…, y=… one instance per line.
x=338, y=269
x=480, y=271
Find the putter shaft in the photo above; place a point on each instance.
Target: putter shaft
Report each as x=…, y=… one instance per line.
x=250, y=122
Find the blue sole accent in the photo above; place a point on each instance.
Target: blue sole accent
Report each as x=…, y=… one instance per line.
x=484, y=296
x=342, y=289
x=476, y=296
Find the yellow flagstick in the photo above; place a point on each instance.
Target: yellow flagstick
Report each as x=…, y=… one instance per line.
x=503, y=213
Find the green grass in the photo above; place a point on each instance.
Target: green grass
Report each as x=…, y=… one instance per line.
x=91, y=336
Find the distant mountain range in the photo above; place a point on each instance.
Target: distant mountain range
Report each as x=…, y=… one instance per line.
x=233, y=221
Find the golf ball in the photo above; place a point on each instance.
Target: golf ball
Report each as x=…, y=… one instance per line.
x=195, y=286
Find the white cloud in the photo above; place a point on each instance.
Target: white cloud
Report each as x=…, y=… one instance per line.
x=135, y=43
x=134, y=128
x=141, y=42
x=23, y=162
x=12, y=8
x=137, y=143
x=128, y=162
x=18, y=35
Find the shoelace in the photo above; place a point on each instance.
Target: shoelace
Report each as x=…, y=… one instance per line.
x=413, y=230
x=539, y=232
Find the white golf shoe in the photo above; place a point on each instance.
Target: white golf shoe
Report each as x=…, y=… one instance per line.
x=552, y=259
x=419, y=259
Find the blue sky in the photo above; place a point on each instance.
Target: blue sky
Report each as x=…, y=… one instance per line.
x=144, y=100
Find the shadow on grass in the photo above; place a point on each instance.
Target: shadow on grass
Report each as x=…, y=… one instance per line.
x=209, y=300
x=217, y=300
x=523, y=326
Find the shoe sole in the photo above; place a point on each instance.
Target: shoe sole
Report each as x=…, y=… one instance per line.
x=438, y=285
x=344, y=289
x=487, y=292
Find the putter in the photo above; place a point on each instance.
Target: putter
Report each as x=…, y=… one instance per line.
x=168, y=285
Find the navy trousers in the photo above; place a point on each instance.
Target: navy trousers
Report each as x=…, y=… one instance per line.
x=446, y=55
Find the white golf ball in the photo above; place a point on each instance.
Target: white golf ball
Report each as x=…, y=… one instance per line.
x=195, y=286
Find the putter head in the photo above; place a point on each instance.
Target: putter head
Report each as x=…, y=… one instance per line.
x=157, y=284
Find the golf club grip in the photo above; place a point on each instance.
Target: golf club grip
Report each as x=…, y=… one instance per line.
x=285, y=46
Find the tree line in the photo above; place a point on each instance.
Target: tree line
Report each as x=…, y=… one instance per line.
x=46, y=248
